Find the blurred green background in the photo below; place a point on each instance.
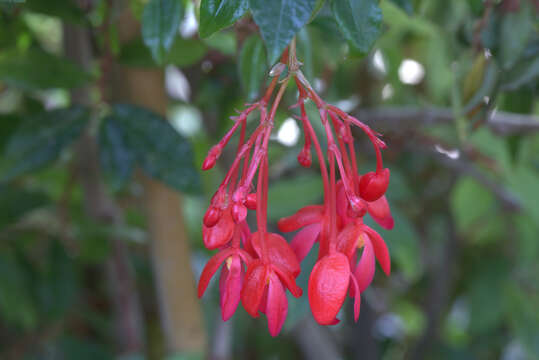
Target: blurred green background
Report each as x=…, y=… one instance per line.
x=99, y=253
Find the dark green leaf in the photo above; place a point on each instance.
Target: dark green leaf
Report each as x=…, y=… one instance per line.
x=35, y=69
x=8, y=123
x=160, y=23
x=487, y=310
x=523, y=73
x=304, y=189
x=405, y=5
x=116, y=155
x=66, y=10
x=15, y=202
x=83, y=349
x=16, y=305
x=40, y=139
x=252, y=66
x=184, y=52
x=515, y=30
x=133, y=135
x=279, y=21
x=359, y=21
x=219, y=14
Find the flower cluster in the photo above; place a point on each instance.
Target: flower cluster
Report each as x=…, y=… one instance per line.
x=256, y=268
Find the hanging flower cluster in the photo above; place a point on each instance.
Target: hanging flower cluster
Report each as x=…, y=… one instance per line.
x=256, y=268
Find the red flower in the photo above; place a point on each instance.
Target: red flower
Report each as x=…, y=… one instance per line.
x=258, y=267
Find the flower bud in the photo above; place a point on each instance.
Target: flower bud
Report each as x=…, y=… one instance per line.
x=305, y=158
x=239, y=212
x=250, y=201
x=212, y=216
x=211, y=158
x=373, y=185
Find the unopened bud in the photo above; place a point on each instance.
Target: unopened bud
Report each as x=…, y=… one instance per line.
x=211, y=158
x=373, y=185
x=250, y=201
x=305, y=158
x=277, y=69
x=212, y=216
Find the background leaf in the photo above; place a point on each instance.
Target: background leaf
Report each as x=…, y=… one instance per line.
x=252, y=66
x=183, y=53
x=279, y=21
x=219, y=14
x=41, y=138
x=359, y=21
x=516, y=29
x=160, y=24
x=136, y=136
x=36, y=69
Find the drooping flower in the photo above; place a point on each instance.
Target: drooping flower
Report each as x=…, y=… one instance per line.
x=257, y=268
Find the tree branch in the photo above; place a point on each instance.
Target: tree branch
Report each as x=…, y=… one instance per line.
x=390, y=118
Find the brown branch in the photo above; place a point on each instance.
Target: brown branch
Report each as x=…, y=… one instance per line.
x=401, y=118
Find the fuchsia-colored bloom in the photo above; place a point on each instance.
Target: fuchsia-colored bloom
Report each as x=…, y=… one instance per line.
x=258, y=267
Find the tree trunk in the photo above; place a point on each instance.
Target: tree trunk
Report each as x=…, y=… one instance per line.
x=181, y=318
x=127, y=312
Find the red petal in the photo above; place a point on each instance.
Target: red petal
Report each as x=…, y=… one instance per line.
x=289, y=281
x=277, y=305
x=357, y=298
x=210, y=269
x=304, y=240
x=381, y=213
x=328, y=285
x=230, y=288
x=364, y=272
x=253, y=288
x=305, y=216
x=219, y=234
x=380, y=249
x=347, y=240
x=279, y=251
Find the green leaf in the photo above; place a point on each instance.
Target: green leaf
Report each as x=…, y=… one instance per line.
x=279, y=21
x=252, y=66
x=405, y=5
x=16, y=303
x=487, y=310
x=521, y=74
x=15, y=202
x=160, y=23
x=36, y=69
x=219, y=14
x=515, y=30
x=41, y=138
x=288, y=196
x=132, y=136
x=359, y=21
x=184, y=52
x=65, y=10
x=470, y=203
